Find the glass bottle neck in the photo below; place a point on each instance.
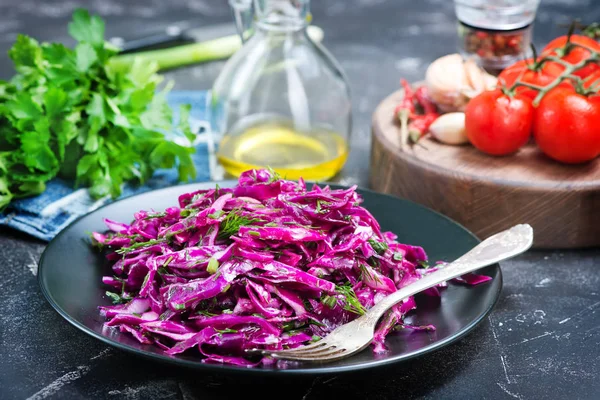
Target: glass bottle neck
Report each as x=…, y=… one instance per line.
x=270, y=15
x=282, y=15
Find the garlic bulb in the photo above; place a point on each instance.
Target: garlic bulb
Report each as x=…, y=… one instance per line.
x=452, y=81
x=449, y=128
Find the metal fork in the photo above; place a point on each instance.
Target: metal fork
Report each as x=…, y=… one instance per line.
x=356, y=335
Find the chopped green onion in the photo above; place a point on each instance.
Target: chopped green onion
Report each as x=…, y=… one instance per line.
x=215, y=215
x=379, y=247
x=213, y=265
x=156, y=215
x=226, y=330
x=329, y=301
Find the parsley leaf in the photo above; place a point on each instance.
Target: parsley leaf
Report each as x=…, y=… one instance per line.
x=25, y=53
x=85, y=28
x=23, y=107
x=85, y=56
x=37, y=152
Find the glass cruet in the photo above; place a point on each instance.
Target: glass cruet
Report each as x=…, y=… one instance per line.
x=281, y=101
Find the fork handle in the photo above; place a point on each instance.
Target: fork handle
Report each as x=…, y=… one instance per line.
x=499, y=247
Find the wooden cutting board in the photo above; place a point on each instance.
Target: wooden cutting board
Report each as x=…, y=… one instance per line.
x=487, y=194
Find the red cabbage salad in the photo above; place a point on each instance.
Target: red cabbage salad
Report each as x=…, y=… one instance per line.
x=267, y=264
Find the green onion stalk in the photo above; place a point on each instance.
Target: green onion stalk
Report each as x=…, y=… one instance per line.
x=194, y=53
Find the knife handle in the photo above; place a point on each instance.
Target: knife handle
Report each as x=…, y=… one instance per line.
x=169, y=38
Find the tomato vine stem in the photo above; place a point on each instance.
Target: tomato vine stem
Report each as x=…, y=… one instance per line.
x=567, y=73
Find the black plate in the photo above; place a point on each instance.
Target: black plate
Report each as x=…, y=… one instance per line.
x=70, y=274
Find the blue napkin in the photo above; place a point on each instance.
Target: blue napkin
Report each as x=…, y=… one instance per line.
x=45, y=215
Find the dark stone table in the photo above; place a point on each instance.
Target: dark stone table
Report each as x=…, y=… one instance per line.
x=541, y=341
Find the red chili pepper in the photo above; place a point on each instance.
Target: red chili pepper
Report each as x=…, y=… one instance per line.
x=404, y=111
x=423, y=98
x=419, y=126
x=407, y=101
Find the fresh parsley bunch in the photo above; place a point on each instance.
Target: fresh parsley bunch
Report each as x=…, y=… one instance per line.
x=67, y=113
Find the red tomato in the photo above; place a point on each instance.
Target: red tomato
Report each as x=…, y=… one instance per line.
x=576, y=54
x=593, y=80
x=497, y=124
x=523, y=71
x=566, y=126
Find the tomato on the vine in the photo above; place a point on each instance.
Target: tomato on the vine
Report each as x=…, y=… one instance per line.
x=498, y=124
x=528, y=72
x=566, y=125
x=592, y=81
x=576, y=53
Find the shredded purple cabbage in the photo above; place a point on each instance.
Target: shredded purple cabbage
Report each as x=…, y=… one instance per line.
x=267, y=264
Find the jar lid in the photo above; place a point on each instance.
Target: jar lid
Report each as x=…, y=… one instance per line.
x=496, y=14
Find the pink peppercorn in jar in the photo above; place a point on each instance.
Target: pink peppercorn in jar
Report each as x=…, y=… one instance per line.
x=497, y=33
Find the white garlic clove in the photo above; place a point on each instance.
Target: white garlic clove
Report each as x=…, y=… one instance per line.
x=450, y=128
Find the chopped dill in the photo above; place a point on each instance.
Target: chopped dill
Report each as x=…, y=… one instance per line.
x=137, y=245
x=116, y=299
x=163, y=269
x=320, y=204
x=146, y=278
x=230, y=225
x=274, y=175
x=351, y=302
x=289, y=326
x=365, y=273
x=205, y=313
x=317, y=323
x=166, y=315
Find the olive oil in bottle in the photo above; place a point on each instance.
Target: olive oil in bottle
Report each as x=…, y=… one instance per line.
x=282, y=100
x=315, y=156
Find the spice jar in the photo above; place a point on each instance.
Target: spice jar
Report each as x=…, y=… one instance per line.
x=496, y=33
